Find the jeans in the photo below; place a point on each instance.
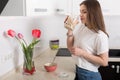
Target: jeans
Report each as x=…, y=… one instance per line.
x=83, y=74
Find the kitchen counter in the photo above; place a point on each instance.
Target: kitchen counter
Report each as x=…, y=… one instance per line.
x=64, y=71
x=66, y=65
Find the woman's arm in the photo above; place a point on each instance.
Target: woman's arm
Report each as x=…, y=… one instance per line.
x=101, y=59
x=70, y=23
x=70, y=39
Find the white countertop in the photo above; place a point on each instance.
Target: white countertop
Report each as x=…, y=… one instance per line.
x=65, y=65
x=114, y=59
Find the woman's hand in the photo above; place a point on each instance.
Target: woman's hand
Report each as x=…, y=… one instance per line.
x=70, y=23
x=77, y=51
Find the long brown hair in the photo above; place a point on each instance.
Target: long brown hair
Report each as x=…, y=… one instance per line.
x=94, y=16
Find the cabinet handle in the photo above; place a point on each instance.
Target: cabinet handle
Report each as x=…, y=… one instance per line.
x=118, y=69
x=113, y=66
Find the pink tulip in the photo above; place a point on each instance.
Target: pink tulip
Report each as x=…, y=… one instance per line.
x=20, y=36
x=36, y=33
x=27, y=48
x=11, y=33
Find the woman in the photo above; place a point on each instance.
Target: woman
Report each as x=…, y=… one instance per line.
x=90, y=42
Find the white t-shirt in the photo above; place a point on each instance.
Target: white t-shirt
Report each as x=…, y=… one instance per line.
x=93, y=43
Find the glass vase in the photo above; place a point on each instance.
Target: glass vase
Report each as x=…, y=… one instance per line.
x=28, y=68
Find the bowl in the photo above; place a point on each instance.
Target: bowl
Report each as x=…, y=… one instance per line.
x=50, y=67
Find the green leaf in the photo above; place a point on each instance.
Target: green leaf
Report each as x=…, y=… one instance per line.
x=28, y=53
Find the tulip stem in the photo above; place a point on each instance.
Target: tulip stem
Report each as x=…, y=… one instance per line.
x=24, y=42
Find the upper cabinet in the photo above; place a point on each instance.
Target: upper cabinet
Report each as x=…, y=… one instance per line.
x=47, y=7
x=72, y=7
x=64, y=7
x=39, y=7
x=36, y=7
x=110, y=7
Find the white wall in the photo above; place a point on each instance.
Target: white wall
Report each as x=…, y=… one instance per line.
x=113, y=27
x=10, y=53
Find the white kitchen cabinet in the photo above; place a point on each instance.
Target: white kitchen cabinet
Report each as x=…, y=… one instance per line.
x=76, y=7
x=39, y=7
x=29, y=8
x=109, y=7
x=46, y=7
x=64, y=7
x=68, y=7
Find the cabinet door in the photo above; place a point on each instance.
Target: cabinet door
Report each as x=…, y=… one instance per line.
x=111, y=72
x=68, y=7
x=76, y=7
x=117, y=70
x=117, y=76
x=107, y=7
x=107, y=73
x=39, y=7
